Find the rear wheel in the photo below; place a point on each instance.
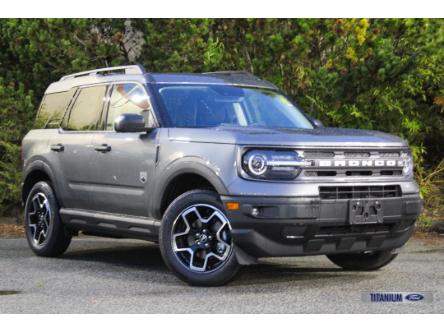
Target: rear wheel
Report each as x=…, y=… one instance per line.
x=44, y=231
x=365, y=261
x=195, y=239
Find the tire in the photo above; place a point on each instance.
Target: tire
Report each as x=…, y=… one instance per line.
x=44, y=230
x=363, y=261
x=199, y=253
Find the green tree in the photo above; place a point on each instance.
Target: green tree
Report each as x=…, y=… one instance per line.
x=381, y=74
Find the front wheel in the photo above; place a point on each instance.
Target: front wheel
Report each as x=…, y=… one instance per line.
x=44, y=230
x=195, y=240
x=365, y=261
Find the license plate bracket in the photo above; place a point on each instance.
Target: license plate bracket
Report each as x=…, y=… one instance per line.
x=365, y=211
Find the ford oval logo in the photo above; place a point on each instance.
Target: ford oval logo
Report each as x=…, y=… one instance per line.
x=414, y=297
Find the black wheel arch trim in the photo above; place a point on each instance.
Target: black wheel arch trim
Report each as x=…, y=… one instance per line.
x=39, y=165
x=180, y=167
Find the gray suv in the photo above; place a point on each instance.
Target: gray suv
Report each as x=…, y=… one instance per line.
x=219, y=168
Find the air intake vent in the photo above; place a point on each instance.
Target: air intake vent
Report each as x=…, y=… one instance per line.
x=319, y=154
x=358, y=229
x=359, y=192
x=389, y=154
x=357, y=154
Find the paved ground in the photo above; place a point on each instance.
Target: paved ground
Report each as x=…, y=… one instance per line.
x=98, y=275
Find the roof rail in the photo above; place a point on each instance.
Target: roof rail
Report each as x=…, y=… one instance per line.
x=132, y=69
x=230, y=73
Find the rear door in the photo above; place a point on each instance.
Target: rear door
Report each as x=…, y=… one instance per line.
x=126, y=164
x=74, y=149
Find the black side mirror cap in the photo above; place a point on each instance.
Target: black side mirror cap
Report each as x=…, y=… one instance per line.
x=130, y=123
x=317, y=122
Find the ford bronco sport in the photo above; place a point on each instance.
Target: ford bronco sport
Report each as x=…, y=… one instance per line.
x=219, y=168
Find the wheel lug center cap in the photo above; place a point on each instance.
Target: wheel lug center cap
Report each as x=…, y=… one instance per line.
x=203, y=238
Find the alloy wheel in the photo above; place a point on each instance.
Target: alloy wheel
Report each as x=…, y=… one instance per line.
x=39, y=217
x=201, y=238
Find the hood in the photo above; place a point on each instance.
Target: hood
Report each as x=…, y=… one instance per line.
x=318, y=137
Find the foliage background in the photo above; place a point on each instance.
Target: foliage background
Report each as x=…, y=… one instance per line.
x=384, y=74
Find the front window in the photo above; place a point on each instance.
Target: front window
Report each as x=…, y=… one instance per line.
x=217, y=105
x=128, y=98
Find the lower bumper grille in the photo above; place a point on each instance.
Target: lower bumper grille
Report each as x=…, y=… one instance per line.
x=359, y=192
x=355, y=229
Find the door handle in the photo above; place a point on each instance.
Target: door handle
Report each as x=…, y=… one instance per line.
x=58, y=147
x=103, y=148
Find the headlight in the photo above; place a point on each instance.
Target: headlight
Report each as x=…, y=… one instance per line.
x=257, y=164
x=273, y=164
x=407, y=161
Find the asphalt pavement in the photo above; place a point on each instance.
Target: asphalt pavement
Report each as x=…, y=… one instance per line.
x=98, y=275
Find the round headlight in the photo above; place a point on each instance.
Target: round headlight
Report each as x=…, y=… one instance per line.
x=257, y=164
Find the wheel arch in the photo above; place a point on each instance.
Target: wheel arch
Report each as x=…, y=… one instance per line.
x=182, y=177
x=36, y=171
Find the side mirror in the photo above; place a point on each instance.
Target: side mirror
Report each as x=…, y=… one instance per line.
x=130, y=122
x=317, y=122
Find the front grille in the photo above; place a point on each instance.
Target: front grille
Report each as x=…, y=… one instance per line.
x=356, y=154
x=352, y=173
x=313, y=154
x=391, y=173
x=359, y=192
x=359, y=173
x=320, y=173
x=389, y=154
x=353, y=163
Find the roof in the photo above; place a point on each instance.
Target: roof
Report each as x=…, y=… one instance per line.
x=138, y=74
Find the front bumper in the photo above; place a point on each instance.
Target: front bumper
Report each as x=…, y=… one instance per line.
x=295, y=226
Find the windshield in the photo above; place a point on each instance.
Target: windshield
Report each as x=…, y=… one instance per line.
x=218, y=105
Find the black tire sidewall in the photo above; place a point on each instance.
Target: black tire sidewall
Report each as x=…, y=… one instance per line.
x=218, y=277
x=57, y=240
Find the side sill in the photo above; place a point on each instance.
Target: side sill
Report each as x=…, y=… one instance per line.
x=111, y=225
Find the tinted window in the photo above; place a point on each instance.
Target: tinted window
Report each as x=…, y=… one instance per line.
x=52, y=109
x=128, y=98
x=86, y=111
x=215, y=105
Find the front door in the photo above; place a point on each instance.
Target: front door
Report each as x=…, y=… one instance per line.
x=125, y=166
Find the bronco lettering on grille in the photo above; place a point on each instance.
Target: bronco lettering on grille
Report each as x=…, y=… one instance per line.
x=360, y=163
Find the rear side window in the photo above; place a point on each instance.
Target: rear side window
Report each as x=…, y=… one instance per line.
x=87, y=109
x=52, y=109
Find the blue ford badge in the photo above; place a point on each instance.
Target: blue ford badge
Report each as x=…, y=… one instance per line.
x=414, y=297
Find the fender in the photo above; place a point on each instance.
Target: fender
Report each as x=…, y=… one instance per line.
x=180, y=166
x=37, y=164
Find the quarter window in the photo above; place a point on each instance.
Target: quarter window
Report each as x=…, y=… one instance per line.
x=52, y=109
x=87, y=109
x=128, y=98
